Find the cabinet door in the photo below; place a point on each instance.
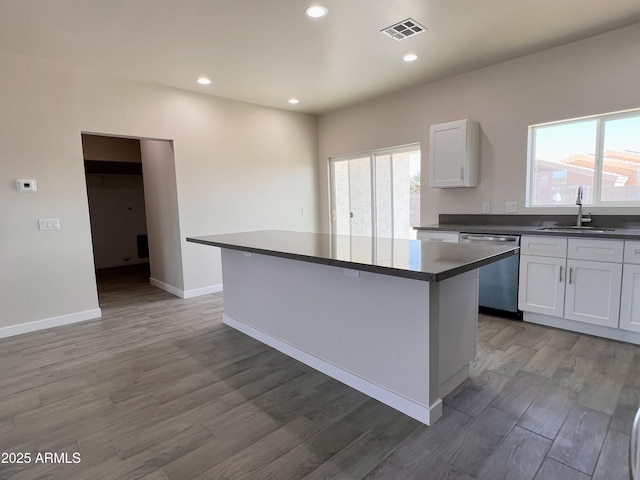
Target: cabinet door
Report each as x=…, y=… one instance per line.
x=453, y=154
x=630, y=303
x=593, y=292
x=542, y=282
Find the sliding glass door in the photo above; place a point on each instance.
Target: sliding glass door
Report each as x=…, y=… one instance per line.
x=352, y=211
x=376, y=194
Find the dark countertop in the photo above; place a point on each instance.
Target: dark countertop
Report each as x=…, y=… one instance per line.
x=414, y=259
x=625, y=227
x=616, y=234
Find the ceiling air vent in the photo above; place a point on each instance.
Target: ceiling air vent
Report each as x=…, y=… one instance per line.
x=404, y=29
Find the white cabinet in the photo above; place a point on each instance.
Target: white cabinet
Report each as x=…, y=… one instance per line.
x=575, y=279
x=593, y=292
x=544, y=246
x=630, y=301
x=541, y=287
x=447, y=237
x=630, y=298
x=453, y=154
x=599, y=250
x=632, y=252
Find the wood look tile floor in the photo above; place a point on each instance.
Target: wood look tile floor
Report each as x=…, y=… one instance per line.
x=160, y=389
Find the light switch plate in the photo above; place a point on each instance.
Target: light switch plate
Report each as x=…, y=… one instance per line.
x=512, y=207
x=486, y=207
x=49, y=223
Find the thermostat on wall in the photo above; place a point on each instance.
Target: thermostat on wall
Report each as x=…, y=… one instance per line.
x=26, y=185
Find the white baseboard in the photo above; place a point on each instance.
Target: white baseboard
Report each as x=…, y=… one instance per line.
x=19, y=329
x=580, y=327
x=426, y=415
x=166, y=287
x=452, y=382
x=196, y=292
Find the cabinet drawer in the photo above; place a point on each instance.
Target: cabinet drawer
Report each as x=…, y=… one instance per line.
x=544, y=246
x=448, y=237
x=597, y=250
x=632, y=252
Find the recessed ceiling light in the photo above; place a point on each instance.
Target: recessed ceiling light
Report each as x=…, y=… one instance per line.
x=410, y=57
x=316, y=11
x=204, y=81
x=294, y=101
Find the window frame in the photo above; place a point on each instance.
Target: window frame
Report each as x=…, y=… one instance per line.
x=601, y=120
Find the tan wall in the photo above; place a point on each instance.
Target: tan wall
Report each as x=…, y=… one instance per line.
x=592, y=76
x=238, y=167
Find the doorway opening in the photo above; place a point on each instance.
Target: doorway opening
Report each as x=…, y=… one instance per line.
x=115, y=191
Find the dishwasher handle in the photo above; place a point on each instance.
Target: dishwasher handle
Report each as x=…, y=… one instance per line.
x=634, y=444
x=471, y=237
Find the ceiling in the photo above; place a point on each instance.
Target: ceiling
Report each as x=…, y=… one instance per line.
x=267, y=51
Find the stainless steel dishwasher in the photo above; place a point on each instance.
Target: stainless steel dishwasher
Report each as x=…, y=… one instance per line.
x=499, y=280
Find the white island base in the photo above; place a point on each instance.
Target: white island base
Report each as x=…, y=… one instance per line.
x=404, y=342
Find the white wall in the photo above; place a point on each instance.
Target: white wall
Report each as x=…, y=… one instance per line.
x=45, y=275
x=596, y=75
x=238, y=167
x=163, y=217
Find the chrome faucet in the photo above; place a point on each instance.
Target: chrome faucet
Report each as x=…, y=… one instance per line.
x=581, y=220
x=579, y=203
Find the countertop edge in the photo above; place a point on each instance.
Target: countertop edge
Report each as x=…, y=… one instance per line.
x=396, y=272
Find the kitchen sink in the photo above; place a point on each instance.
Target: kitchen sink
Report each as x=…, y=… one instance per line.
x=575, y=228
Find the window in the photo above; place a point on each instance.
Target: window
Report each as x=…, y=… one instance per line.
x=601, y=153
x=376, y=194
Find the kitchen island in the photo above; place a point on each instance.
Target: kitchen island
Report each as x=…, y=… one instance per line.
x=394, y=319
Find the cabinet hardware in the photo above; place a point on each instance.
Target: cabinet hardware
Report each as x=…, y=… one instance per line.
x=560, y=279
x=570, y=275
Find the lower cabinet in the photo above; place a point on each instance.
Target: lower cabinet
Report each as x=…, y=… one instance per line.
x=630, y=299
x=593, y=292
x=586, y=291
x=542, y=285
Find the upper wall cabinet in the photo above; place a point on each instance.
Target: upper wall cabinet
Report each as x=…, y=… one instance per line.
x=453, y=154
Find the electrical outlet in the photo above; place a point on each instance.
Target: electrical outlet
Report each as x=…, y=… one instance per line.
x=486, y=207
x=512, y=207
